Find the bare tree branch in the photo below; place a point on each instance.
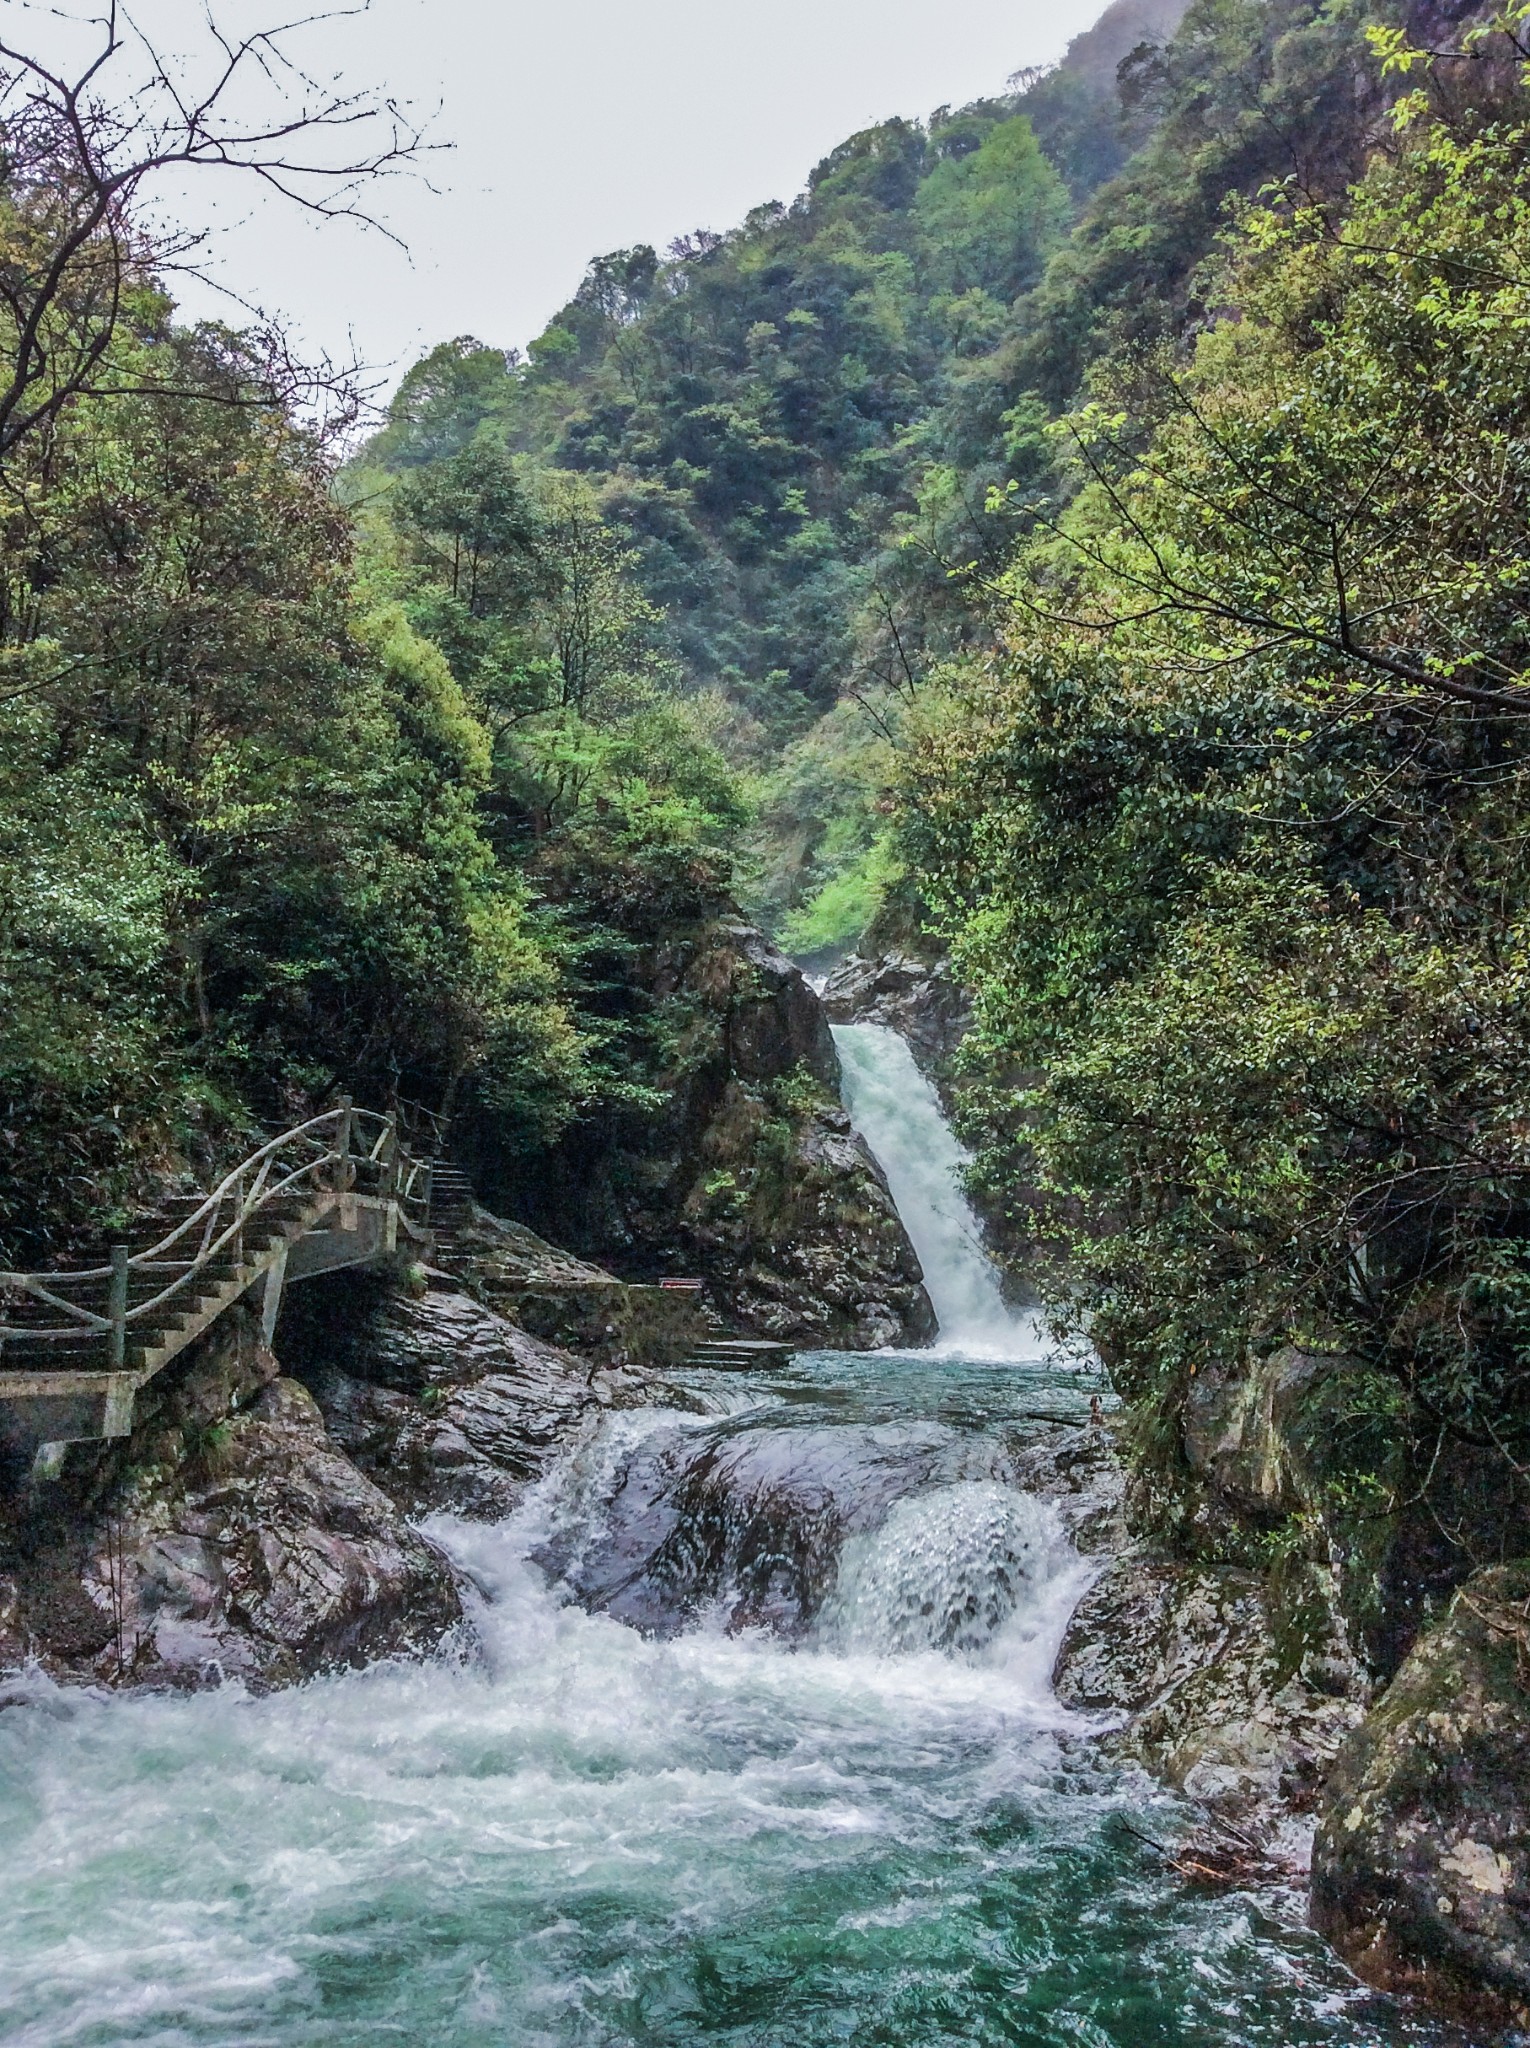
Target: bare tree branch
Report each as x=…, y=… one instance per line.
x=82, y=147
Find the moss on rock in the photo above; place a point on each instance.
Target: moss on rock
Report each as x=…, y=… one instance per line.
x=1421, y=1868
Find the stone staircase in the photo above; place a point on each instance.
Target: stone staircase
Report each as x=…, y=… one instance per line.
x=741, y=1354
x=451, y=1199
x=78, y=1342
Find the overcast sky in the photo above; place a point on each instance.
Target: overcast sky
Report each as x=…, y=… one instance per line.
x=579, y=126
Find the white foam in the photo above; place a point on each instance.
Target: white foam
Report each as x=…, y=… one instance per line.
x=955, y=1569
x=898, y=1113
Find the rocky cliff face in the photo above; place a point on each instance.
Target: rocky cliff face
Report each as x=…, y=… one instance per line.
x=1216, y=1698
x=228, y=1537
x=749, y=1177
x=440, y=1401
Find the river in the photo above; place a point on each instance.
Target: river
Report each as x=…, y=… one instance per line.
x=755, y=1745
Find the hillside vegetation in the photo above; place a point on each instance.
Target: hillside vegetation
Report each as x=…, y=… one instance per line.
x=1085, y=528
x=387, y=786
x=1091, y=526
x=795, y=427
x=1229, y=827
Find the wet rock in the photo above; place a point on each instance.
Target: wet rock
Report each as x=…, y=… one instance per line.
x=775, y=1023
x=751, y=1516
x=1243, y=1429
x=1421, y=1867
x=799, y=1234
x=1079, y=1470
x=1391, y=1511
x=1191, y=1658
x=222, y=1541
x=916, y=998
x=570, y=1302
x=446, y=1404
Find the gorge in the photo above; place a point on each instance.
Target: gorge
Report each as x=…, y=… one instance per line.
x=749, y=1724
x=907, y=838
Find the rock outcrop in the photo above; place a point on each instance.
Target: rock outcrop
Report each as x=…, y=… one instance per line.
x=228, y=1537
x=1078, y=1469
x=914, y=997
x=1421, y=1867
x=746, y=1520
x=440, y=1401
x=1321, y=1689
x=1213, y=1699
x=568, y=1302
x=749, y=1177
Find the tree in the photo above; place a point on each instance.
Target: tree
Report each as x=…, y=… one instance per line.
x=991, y=216
x=86, y=141
x=1232, y=831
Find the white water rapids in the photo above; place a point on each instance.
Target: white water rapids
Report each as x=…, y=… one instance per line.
x=866, y=1825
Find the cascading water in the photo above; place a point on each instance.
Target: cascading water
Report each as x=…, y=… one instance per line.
x=946, y=1570
x=756, y=1747
x=898, y=1113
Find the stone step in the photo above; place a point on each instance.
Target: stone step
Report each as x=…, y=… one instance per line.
x=277, y=1215
x=452, y=1199
x=220, y=1281
x=741, y=1354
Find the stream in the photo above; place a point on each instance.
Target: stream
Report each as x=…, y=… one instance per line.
x=756, y=1746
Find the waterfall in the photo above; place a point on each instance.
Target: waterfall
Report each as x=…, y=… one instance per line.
x=947, y=1570
x=898, y=1113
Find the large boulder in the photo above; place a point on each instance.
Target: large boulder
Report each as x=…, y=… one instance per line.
x=790, y=1218
x=1211, y=1694
x=441, y=1401
x=570, y=1303
x=1078, y=1469
x=1246, y=1429
x=228, y=1538
x=1421, y=1867
x=1317, y=1445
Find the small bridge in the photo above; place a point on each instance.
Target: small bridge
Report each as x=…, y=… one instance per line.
x=76, y=1345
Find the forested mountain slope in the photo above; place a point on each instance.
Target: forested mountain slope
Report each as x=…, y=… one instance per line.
x=811, y=429
x=765, y=413
x=402, y=799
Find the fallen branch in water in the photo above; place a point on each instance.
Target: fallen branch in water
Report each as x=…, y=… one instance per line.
x=1227, y=1856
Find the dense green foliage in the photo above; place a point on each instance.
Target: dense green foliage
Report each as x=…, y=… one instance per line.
x=292, y=800
x=1091, y=522
x=745, y=406
x=815, y=431
x=240, y=839
x=1231, y=830
x=768, y=416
